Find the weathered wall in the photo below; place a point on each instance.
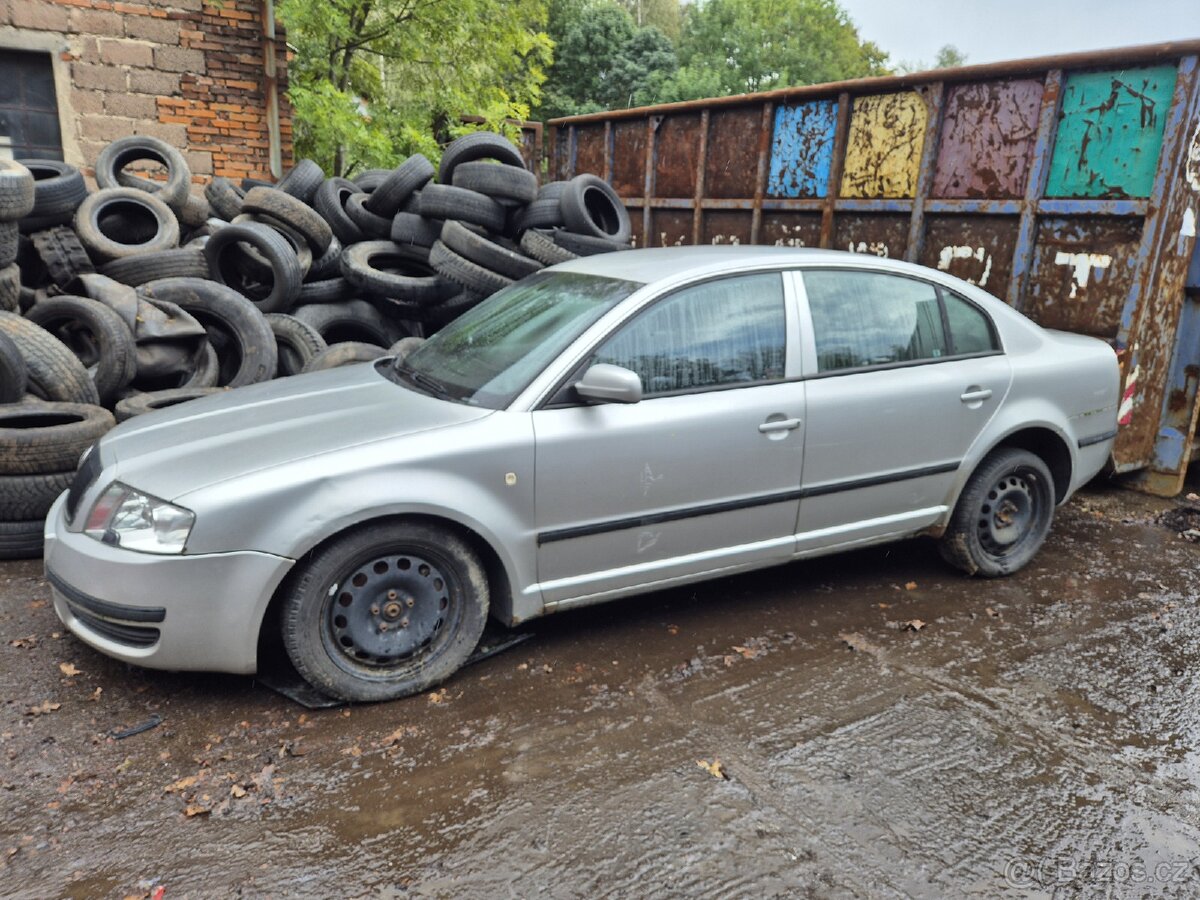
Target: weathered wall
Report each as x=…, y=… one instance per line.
x=185, y=71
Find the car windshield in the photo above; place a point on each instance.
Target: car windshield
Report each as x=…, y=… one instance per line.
x=491, y=353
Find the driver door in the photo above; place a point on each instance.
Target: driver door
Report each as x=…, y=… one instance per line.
x=703, y=474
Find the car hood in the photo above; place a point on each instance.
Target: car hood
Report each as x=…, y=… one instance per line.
x=184, y=448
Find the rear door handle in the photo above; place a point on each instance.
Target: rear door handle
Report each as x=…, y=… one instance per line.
x=976, y=395
x=779, y=425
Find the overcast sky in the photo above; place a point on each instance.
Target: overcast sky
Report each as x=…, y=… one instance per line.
x=990, y=30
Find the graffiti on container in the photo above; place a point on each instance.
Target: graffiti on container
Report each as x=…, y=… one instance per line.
x=664, y=241
x=1081, y=265
x=1125, y=410
x=789, y=238
x=1110, y=133
x=883, y=150
x=1193, y=160
x=877, y=247
x=802, y=149
x=1186, y=230
x=980, y=255
x=727, y=239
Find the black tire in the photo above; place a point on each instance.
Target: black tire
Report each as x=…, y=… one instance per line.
x=10, y=241
x=48, y=437
x=347, y=353
x=466, y=273
x=442, y=201
x=96, y=335
x=328, y=264
x=62, y=254
x=382, y=269
x=118, y=222
x=404, y=346
x=331, y=290
x=140, y=404
x=12, y=371
x=58, y=189
x=330, y=203
x=184, y=262
x=410, y=229
x=372, y=226
x=229, y=264
x=591, y=206
x=402, y=182
x=369, y=180
x=257, y=267
x=477, y=145
x=296, y=343
x=302, y=181
x=207, y=370
x=500, y=182
x=53, y=371
x=397, y=563
x=443, y=313
x=10, y=288
x=541, y=213
x=552, y=190
x=236, y=327
x=31, y=496
x=291, y=212
x=21, y=540
x=225, y=198
x=194, y=212
x=121, y=152
x=486, y=253
x=1003, y=515
x=585, y=245
x=542, y=248
x=16, y=191
x=248, y=183
x=353, y=320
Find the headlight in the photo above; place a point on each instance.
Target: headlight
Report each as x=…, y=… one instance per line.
x=137, y=521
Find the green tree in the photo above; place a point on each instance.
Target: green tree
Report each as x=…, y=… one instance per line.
x=742, y=46
x=373, y=80
x=603, y=60
x=948, y=57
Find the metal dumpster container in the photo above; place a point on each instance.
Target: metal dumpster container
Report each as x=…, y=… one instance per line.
x=1068, y=186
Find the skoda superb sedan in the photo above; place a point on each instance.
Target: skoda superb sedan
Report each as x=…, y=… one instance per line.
x=605, y=427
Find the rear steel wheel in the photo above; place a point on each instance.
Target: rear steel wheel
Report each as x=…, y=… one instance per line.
x=385, y=611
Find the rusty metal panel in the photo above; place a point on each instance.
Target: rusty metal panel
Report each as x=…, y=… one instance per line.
x=589, y=153
x=678, y=146
x=732, y=166
x=883, y=235
x=637, y=227
x=629, y=157
x=987, y=141
x=883, y=151
x=802, y=149
x=670, y=228
x=727, y=226
x=1082, y=271
x=978, y=249
x=789, y=229
x=1110, y=132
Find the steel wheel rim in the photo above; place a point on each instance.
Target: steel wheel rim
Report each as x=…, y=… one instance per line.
x=1009, y=513
x=388, y=612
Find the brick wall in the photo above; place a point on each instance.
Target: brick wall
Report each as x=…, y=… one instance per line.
x=184, y=71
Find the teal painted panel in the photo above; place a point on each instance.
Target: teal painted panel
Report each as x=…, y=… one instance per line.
x=1110, y=132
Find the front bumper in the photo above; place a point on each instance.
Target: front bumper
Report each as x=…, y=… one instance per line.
x=198, y=612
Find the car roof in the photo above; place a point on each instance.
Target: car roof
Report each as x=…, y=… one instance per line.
x=663, y=263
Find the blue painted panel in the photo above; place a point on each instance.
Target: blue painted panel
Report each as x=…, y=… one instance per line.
x=802, y=149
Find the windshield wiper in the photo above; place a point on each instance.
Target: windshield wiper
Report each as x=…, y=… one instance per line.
x=429, y=385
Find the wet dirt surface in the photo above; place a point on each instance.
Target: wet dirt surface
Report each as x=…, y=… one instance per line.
x=885, y=728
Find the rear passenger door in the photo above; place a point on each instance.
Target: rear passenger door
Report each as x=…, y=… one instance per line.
x=902, y=376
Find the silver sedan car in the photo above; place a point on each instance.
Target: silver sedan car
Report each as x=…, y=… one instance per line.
x=606, y=427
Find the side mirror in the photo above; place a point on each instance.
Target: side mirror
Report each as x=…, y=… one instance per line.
x=609, y=384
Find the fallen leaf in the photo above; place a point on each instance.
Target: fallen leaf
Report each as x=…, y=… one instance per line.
x=158, y=892
x=714, y=768
x=125, y=766
x=181, y=785
x=42, y=708
x=355, y=751
x=747, y=652
x=910, y=586
x=36, y=604
x=672, y=629
x=195, y=809
x=96, y=693
x=69, y=669
x=237, y=791
x=730, y=660
x=914, y=625
x=24, y=643
x=991, y=612
x=437, y=696
x=884, y=605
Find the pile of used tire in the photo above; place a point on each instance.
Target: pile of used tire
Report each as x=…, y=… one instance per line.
x=141, y=294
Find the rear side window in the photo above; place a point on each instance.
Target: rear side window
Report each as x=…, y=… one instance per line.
x=725, y=332
x=871, y=319
x=970, y=327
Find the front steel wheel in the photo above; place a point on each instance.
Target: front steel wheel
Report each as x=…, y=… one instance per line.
x=385, y=611
x=1003, y=515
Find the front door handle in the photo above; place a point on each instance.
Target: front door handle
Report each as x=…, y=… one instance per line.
x=976, y=395
x=779, y=425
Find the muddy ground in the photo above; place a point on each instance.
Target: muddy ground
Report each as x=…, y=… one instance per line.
x=865, y=725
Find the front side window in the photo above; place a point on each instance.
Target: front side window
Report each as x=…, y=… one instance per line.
x=716, y=334
x=872, y=319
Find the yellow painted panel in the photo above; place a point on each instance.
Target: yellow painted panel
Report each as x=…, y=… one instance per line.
x=883, y=149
